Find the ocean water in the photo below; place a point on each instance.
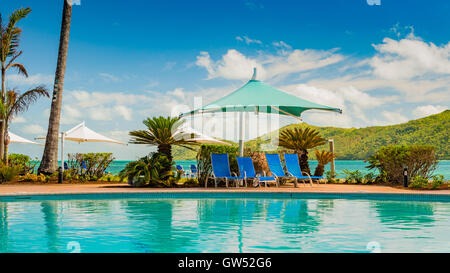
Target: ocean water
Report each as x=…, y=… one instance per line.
x=443, y=167
x=222, y=224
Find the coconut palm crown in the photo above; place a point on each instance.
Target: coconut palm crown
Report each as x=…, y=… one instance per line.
x=162, y=132
x=301, y=140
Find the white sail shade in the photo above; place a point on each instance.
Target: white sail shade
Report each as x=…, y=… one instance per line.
x=13, y=138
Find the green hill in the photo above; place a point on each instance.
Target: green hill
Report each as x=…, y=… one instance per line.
x=360, y=143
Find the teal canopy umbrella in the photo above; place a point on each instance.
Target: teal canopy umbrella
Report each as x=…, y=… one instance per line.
x=259, y=97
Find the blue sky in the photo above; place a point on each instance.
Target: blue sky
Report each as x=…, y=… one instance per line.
x=383, y=64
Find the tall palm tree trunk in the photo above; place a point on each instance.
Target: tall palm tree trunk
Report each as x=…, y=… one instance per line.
x=49, y=162
x=2, y=122
x=303, y=160
x=166, y=149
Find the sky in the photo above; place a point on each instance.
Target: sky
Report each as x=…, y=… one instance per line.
x=382, y=61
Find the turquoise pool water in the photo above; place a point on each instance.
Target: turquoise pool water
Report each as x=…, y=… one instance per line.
x=219, y=223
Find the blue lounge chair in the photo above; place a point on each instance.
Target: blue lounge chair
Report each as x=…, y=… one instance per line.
x=66, y=167
x=180, y=169
x=221, y=169
x=247, y=170
x=293, y=168
x=193, y=170
x=273, y=160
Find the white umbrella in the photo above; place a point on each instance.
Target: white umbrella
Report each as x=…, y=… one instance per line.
x=13, y=138
x=188, y=133
x=81, y=133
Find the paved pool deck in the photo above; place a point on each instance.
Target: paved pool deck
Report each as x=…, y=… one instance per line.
x=8, y=190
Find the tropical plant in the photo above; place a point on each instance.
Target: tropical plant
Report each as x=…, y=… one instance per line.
x=390, y=161
x=353, y=177
x=9, y=52
x=152, y=167
x=15, y=104
x=8, y=173
x=23, y=161
x=418, y=182
x=96, y=163
x=49, y=162
x=300, y=140
x=438, y=181
x=162, y=132
x=369, y=178
x=323, y=158
x=204, y=167
x=330, y=176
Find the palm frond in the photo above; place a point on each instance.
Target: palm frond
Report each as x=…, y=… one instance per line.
x=299, y=139
x=21, y=103
x=20, y=68
x=160, y=130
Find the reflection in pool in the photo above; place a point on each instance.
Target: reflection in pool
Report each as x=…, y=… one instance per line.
x=223, y=225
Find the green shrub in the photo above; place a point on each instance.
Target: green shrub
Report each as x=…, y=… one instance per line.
x=23, y=161
x=204, y=160
x=420, y=160
x=369, y=178
x=8, y=173
x=438, y=181
x=418, y=182
x=352, y=177
x=155, y=169
x=331, y=178
x=96, y=164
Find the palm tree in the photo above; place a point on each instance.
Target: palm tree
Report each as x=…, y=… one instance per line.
x=15, y=104
x=9, y=52
x=323, y=158
x=49, y=162
x=301, y=140
x=161, y=132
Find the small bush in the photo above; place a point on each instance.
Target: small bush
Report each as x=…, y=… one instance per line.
x=204, y=160
x=353, y=177
x=96, y=164
x=369, y=178
x=154, y=169
x=331, y=178
x=420, y=160
x=418, y=182
x=438, y=181
x=8, y=173
x=23, y=161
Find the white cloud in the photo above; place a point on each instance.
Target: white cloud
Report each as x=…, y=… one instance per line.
x=391, y=118
x=19, y=120
x=109, y=77
x=177, y=92
x=33, y=129
x=37, y=79
x=410, y=57
x=247, y=40
x=124, y=112
x=282, y=45
x=352, y=101
x=236, y=66
x=427, y=110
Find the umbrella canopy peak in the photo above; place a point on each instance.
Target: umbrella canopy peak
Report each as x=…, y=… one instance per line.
x=258, y=96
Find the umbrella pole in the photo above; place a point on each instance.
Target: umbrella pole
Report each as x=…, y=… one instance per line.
x=241, y=134
x=61, y=169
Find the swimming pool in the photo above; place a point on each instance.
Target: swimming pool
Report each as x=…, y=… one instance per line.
x=225, y=222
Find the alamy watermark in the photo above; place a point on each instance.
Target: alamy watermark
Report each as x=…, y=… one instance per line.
x=373, y=2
